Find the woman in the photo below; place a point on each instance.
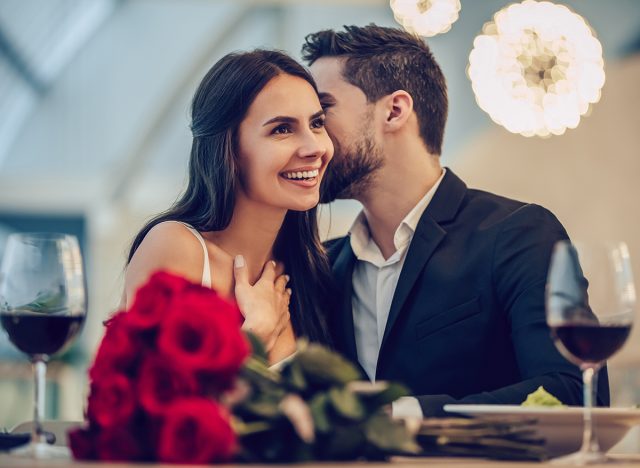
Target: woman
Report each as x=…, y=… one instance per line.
x=259, y=152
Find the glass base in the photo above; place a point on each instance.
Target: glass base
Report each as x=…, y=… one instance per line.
x=41, y=451
x=582, y=458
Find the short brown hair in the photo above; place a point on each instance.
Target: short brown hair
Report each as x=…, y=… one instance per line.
x=382, y=60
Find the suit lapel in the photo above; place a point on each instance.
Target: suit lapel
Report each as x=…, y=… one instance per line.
x=429, y=233
x=425, y=240
x=343, y=277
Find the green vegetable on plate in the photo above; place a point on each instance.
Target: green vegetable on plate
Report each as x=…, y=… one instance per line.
x=541, y=398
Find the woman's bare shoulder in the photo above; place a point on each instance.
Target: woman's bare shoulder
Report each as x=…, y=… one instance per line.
x=167, y=246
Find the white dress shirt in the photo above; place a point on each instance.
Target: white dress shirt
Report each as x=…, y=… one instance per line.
x=374, y=283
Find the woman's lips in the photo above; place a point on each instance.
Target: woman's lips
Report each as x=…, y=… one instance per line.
x=306, y=183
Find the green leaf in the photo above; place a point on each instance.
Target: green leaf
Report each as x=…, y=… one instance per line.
x=386, y=396
x=263, y=408
x=242, y=428
x=344, y=443
x=392, y=393
x=257, y=372
x=347, y=416
x=346, y=403
x=273, y=445
x=390, y=435
x=318, y=406
x=322, y=365
x=259, y=351
x=294, y=376
x=262, y=402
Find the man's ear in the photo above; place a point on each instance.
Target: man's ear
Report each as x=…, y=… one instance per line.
x=398, y=109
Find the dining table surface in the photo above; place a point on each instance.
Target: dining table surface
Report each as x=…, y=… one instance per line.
x=621, y=461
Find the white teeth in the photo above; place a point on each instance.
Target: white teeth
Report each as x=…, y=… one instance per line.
x=302, y=174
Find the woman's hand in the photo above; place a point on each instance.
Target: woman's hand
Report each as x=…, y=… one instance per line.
x=284, y=347
x=265, y=305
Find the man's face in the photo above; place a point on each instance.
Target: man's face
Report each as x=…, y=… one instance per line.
x=350, y=123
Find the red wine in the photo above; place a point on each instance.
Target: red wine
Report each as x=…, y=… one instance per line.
x=590, y=343
x=40, y=333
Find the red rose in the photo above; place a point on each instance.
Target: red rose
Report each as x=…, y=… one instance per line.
x=196, y=430
x=161, y=381
x=214, y=301
x=112, y=401
x=118, y=350
x=178, y=342
x=118, y=444
x=202, y=332
x=153, y=300
x=81, y=443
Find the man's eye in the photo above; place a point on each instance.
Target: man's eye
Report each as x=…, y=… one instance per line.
x=327, y=103
x=281, y=130
x=318, y=123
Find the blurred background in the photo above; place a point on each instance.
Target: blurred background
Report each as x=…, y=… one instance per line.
x=94, y=137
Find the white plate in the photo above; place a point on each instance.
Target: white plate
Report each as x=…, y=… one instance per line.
x=561, y=427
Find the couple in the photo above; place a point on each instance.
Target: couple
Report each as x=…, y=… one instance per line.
x=437, y=286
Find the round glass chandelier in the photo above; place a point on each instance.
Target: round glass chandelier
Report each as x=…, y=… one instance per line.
x=536, y=68
x=426, y=17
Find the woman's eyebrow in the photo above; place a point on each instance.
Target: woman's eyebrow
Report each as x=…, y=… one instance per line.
x=280, y=119
x=320, y=113
x=287, y=119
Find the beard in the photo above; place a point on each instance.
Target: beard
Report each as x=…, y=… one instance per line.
x=352, y=170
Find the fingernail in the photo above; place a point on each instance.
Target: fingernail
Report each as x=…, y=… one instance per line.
x=287, y=278
x=289, y=291
x=273, y=263
x=238, y=262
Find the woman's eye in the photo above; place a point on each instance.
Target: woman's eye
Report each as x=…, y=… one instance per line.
x=281, y=130
x=318, y=123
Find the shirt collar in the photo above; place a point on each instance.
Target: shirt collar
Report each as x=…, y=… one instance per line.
x=361, y=237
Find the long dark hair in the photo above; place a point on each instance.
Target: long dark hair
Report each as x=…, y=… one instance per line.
x=219, y=106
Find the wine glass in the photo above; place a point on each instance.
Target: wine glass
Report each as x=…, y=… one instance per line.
x=42, y=307
x=590, y=309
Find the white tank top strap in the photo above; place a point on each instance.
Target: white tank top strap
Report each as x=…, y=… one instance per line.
x=206, y=270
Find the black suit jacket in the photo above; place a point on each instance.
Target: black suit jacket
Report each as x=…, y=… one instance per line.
x=467, y=321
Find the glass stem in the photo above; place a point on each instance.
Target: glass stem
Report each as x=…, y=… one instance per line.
x=589, y=440
x=39, y=373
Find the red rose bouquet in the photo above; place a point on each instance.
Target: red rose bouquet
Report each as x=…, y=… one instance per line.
x=159, y=376
x=173, y=382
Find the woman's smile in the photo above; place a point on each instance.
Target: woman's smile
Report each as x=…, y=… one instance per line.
x=306, y=177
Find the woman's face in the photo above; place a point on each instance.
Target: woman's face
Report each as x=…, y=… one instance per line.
x=284, y=148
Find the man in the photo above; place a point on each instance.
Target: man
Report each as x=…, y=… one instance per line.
x=443, y=286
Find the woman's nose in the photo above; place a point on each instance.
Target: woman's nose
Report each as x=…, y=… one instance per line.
x=312, y=147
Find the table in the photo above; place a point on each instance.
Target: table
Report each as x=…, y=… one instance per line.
x=625, y=461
